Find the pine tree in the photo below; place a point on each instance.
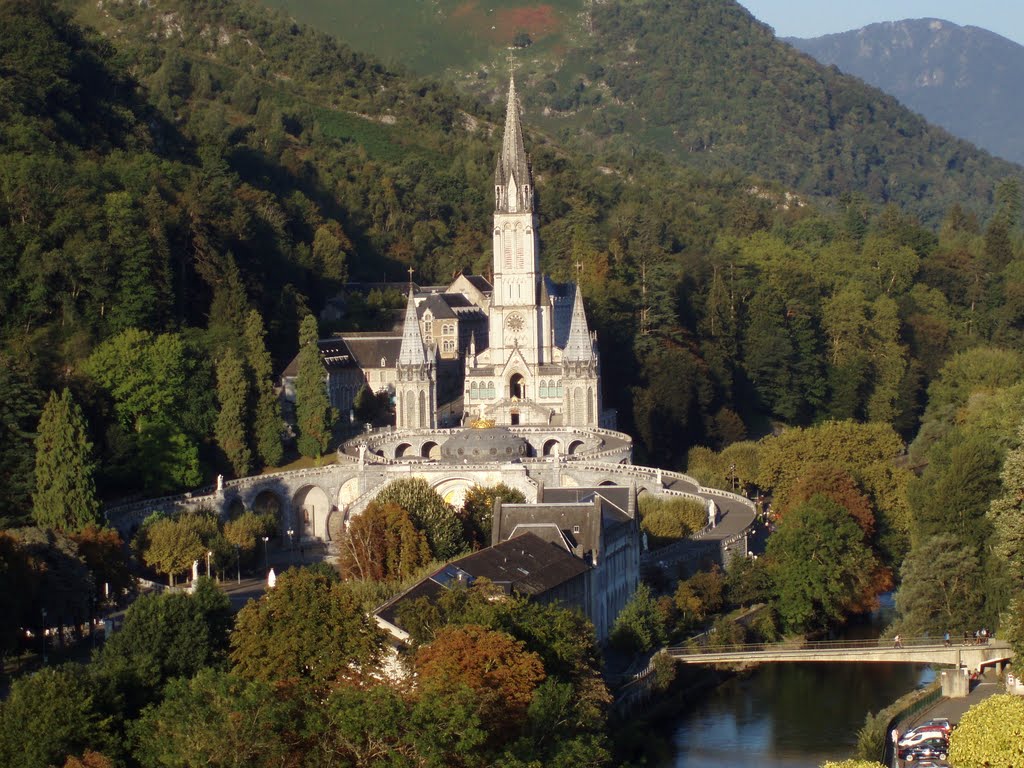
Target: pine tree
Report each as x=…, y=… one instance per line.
x=233, y=395
x=1007, y=512
x=267, y=410
x=65, y=497
x=311, y=404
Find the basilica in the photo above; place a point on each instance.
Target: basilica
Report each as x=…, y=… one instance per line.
x=514, y=350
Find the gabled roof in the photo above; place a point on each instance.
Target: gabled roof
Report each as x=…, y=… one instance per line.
x=438, y=306
x=525, y=565
x=368, y=349
x=615, y=500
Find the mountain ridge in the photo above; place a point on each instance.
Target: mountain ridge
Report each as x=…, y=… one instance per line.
x=963, y=78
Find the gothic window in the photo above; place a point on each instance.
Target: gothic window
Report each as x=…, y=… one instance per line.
x=410, y=409
x=520, y=260
x=423, y=409
x=526, y=194
x=473, y=392
x=543, y=388
x=449, y=346
x=497, y=196
x=558, y=389
x=590, y=405
x=578, y=406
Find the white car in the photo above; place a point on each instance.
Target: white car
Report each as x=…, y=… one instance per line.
x=912, y=738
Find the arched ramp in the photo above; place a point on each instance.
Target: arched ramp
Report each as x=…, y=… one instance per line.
x=550, y=445
x=310, y=505
x=402, y=450
x=574, y=447
x=269, y=503
x=453, y=489
x=430, y=450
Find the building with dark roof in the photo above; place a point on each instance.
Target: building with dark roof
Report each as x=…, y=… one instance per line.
x=525, y=566
x=600, y=526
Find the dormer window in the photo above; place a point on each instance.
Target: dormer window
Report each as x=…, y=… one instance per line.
x=383, y=362
x=576, y=529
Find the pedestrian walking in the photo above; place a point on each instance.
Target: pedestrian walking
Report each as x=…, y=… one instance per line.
x=945, y=639
x=897, y=642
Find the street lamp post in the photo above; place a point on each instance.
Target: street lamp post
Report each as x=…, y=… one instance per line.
x=291, y=544
x=732, y=475
x=266, y=562
x=208, y=555
x=238, y=562
x=42, y=634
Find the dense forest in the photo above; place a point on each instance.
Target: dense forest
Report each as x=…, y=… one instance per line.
x=242, y=162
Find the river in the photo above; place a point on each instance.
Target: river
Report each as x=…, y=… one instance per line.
x=789, y=715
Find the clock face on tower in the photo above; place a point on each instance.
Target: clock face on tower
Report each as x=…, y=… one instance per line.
x=514, y=323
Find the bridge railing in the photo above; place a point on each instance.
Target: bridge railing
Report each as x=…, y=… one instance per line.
x=699, y=647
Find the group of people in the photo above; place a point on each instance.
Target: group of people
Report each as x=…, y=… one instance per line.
x=981, y=637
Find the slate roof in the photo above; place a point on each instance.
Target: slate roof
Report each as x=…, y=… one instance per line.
x=480, y=282
x=615, y=500
x=438, y=306
x=525, y=565
x=367, y=349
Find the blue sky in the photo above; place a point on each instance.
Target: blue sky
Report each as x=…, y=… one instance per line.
x=810, y=18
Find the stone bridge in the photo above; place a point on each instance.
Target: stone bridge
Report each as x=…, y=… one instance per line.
x=913, y=651
x=315, y=502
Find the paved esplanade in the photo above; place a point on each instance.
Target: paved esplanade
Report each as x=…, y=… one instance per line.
x=926, y=650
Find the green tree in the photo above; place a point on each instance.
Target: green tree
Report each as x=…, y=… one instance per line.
x=171, y=544
x=19, y=415
x=65, y=497
x=49, y=715
x=233, y=395
x=267, y=420
x=991, y=733
x=429, y=512
x=819, y=565
x=940, y=587
x=1006, y=512
x=308, y=630
x=247, y=530
x=311, y=405
x=218, y=720
x=638, y=627
x=382, y=544
x=669, y=518
x=168, y=635
x=478, y=507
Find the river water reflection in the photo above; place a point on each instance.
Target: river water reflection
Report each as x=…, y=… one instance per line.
x=788, y=715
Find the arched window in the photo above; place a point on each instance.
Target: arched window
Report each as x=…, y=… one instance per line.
x=558, y=389
x=520, y=259
x=423, y=409
x=473, y=391
x=506, y=244
x=543, y=388
x=590, y=405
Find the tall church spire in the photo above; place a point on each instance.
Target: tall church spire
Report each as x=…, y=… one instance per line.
x=412, y=351
x=513, y=181
x=578, y=348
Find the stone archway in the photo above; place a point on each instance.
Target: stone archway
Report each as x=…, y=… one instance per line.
x=269, y=503
x=236, y=508
x=574, y=447
x=310, y=506
x=403, y=450
x=453, y=490
x=430, y=450
x=608, y=482
x=550, y=446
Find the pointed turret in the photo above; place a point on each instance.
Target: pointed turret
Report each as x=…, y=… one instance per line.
x=578, y=348
x=513, y=181
x=412, y=351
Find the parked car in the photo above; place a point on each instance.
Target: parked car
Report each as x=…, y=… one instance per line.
x=929, y=749
x=917, y=735
x=938, y=724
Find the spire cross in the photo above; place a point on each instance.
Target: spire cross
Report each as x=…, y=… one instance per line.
x=511, y=64
x=410, y=277
x=579, y=268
